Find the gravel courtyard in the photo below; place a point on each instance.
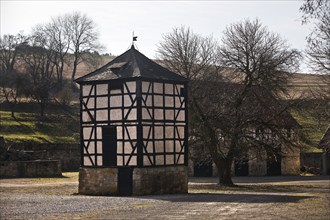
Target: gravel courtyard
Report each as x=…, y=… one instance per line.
x=254, y=198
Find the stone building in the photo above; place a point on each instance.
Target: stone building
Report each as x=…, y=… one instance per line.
x=286, y=161
x=133, y=128
x=325, y=145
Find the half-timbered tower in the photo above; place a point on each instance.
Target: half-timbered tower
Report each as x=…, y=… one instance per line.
x=133, y=128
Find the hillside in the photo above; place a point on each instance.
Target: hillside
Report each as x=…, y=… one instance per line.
x=62, y=123
x=302, y=85
x=84, y=68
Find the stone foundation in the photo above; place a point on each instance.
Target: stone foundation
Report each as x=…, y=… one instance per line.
x=98, y=181
x=145, y=181
x=160, y=180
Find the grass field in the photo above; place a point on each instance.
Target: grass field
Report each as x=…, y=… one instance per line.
x=62, y=126
x=58, y=126
x=311, y=131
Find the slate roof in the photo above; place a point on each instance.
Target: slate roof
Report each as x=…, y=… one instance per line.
x=131, y=64
x=325, y=141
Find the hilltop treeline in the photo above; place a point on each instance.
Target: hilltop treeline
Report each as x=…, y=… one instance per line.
x=33, y=66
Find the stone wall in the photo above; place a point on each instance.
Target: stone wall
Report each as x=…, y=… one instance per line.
x=67, y=154
x=40, y=168
x=311, y=159
x=290, y=164
x=145, y=181
x=98, y=181
x=160, y=180
x=316, y=162
x=258, y=163
x=257, y=167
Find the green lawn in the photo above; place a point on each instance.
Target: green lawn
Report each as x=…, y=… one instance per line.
x=58, y=126
x=62, y=125
x=311, y=131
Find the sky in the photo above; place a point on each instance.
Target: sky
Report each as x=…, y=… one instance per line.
x=150, y=20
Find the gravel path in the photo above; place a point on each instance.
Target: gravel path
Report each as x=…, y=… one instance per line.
x=256, y=198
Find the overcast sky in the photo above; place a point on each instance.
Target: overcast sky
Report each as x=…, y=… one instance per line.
x=116, y=20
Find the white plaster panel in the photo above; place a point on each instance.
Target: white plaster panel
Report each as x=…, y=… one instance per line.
x=102, y=102
x=102, y=89
x=116, y=101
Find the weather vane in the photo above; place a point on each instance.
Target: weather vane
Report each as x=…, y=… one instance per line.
x=134, y=38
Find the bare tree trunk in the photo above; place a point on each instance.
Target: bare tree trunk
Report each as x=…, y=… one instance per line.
x=42, y=109
x=224, y=170
x=75, y=64
x=61, y=76
x=12, y=109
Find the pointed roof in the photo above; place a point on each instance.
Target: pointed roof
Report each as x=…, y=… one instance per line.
x=131, y=64
x=325, y=141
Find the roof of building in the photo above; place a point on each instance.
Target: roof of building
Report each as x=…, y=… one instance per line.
x=131, y=64
x=325, y=141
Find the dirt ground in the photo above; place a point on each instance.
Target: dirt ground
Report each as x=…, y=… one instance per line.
x=254, y=198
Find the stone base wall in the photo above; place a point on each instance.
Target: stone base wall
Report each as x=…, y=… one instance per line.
x=160, y=180
x=145, y=181
x=290, y=165
x=98, y=181
x=39, y=168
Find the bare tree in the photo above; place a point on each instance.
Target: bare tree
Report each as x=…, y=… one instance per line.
x=318, y=49
x=187, y=53
x=312, y=9
x=39, y=65
x=83, y=37
x=11, y=79
x=58, y=35
x=231, y=129
x=318, y=54
x=225, y=116
x=258, y=57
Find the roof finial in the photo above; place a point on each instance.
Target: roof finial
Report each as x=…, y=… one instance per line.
x=133, y=39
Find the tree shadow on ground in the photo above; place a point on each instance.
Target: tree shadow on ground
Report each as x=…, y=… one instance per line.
x=230, y=198
x=260, y=179
x=211, y=188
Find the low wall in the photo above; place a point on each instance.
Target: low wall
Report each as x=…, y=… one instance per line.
x=67, y=154
x=38, y=168
x=318, y=162
x=143, y=181
x=311, y=160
